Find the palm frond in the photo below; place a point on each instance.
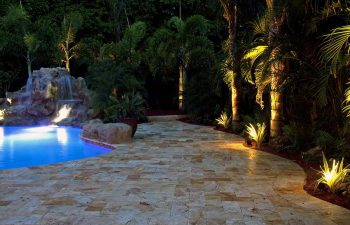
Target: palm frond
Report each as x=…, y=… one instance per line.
x=346, y=108
x=177, y=23
x=334, y=45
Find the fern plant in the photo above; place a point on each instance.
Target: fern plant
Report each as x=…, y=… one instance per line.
x=332, y=176
x=256, y=132
x=224, y=120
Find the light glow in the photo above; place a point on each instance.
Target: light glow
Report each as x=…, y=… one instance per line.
x=63, y=113
x=256, y=133
x=2, y=114
x=41, y=129
x=334, y=176
x=224, y=120
x=62, y=136
x=9, y=100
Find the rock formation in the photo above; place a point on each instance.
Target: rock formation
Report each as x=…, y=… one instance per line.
x=111, y=133
x=48, y=91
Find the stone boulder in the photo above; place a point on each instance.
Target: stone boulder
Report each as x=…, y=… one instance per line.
x=42, y=108
x=111, y=133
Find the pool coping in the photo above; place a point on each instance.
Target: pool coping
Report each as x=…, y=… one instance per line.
x=99, y=143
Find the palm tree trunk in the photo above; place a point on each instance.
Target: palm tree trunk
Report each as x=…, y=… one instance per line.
x=230, y=14
x=276, y=98
x=276, y=68
x=235, y=91
x=181, y=87
x=29, y=65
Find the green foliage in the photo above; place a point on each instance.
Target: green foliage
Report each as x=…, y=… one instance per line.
x=224, y=120
x=115, y=73
x=126, y=49
x=256, y=132
x=332, y=176
x=298, y=137
x=128, y=106
x=330, y=144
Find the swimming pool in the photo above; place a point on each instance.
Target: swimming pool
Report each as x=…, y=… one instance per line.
x=33, y=146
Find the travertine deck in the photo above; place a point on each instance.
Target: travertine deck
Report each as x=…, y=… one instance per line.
x=173, y=173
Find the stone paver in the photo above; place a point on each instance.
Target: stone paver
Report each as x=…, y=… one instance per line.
x=172, y=173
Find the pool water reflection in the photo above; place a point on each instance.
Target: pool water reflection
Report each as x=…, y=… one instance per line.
x=33, y=146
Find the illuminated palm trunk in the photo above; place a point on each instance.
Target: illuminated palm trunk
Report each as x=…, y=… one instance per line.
x=277, y=68
x=230, y=14
x=181, y=87
x=235, y=104
x=276, y=98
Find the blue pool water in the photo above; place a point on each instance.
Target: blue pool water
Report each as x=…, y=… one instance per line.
x=33, y=146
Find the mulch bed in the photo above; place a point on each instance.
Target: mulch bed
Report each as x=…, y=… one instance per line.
x=311, y=177
x=309, y=168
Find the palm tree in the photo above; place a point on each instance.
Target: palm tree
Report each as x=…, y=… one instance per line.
x=334, y=55
x=172, y=46
x=67, y=46
x=231, y=66
x=268, y=64
x=276, y=69
x=18, y=21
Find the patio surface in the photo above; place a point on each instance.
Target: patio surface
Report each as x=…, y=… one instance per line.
x=172, y=173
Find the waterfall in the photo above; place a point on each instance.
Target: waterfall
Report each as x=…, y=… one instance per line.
x=65, y=88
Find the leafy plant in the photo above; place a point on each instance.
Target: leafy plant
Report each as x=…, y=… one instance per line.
x=333, y=176
x=128, y=106
x=330, y=143
x=297, y=136
x=224, y=120
x=256, y=132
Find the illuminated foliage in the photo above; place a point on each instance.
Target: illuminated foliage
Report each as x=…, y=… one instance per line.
x=256, y=132
x=224, y=120
x=332, y=176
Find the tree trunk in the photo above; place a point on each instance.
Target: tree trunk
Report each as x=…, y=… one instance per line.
x=180, y=87
x=235, y=93
x=276, y=68
x=29, y=65
x=276, y=97
x=67, y=65
x=231, y=17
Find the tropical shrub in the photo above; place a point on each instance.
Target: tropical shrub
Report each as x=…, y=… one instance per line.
x=128, y=106
x=256, y=132
x=224, y=120
x=332, y=176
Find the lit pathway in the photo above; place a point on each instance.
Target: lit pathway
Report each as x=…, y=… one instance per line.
x=173, y=173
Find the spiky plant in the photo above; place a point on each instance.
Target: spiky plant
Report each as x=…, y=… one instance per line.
x=224, y=120
x=256, y=133
x=332, y=176
x=2, y=114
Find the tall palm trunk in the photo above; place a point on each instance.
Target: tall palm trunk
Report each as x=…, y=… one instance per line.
x=230, y=14
x=277, y=68
x=182, y=77
x=276, y=98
